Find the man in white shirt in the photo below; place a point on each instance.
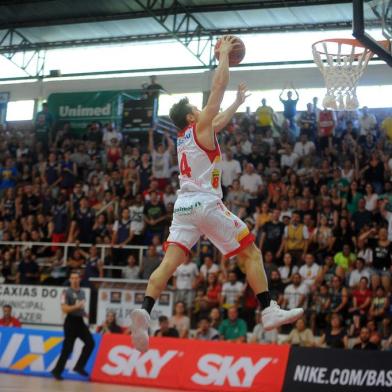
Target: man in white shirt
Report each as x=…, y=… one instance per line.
x=295, y=294
x=186, y=279
x=208, y=267
x=232, y=291
x=250, y=180
x=231, y=169
x=309, y=271
x=359, y=272
x=304, y=147
x=289, y=158
x=109, y=134
x=367, y=121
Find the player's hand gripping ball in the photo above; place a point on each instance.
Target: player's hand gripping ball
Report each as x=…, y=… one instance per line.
x=237, y=53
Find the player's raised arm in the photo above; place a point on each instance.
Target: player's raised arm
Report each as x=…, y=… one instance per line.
x=222, y=119
x=219, y=84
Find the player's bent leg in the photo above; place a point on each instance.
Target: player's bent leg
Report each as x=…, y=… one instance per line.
x=272, y=315
x=140, y=318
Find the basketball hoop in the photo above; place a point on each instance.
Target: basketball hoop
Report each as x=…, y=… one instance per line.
x=342, y=62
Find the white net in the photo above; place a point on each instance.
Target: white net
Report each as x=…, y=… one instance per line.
x=342, y=63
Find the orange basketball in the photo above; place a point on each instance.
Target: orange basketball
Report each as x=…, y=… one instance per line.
x=236, y=55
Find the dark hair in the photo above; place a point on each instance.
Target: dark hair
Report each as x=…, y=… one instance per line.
x=162, y=318
x=178, y=113
x=7, y=306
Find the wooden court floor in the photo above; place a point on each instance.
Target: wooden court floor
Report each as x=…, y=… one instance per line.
x=12, y=383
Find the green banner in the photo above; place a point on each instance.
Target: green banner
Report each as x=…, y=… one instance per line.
x=82, y=108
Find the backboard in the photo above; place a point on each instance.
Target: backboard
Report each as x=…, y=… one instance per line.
x=372, y=24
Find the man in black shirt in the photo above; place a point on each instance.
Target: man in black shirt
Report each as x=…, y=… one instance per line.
x=362, y=217
x=82, y=223
x=272, y=234
x=364, y=343
x=28, y=269
x=154, y=217
x=165, y=330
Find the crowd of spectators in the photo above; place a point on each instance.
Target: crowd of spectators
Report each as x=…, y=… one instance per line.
x=315, y=189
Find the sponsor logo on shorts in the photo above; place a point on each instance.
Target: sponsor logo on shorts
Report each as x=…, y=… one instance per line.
x=189, y=210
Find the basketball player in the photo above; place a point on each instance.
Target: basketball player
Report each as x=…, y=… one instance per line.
x=199, y=209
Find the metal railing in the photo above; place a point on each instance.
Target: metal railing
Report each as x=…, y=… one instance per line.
x=67, y=245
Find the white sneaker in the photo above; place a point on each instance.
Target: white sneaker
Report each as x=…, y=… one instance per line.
x=273, y=316
x=140, y=321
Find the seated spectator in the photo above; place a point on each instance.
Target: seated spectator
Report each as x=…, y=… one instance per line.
x=362, y=298
x=295, y=293
x=335, y=335
x=288, y=269
x=154, y=217
x=309, y=271
x=164, y=329
x=259, y=335
x=339, y=296
x=364, y=341
x=233, y=328
x=303, y=147
x=8, y=320
x=179, y=320
x=362, y=217
x=110, y=325
x=213, y=291
x=271, y=234
x=345, y=258
x=276, y=287
x=205, y=331
x=237, y=199
x=320, y=308
x=208, y=267
x=131, y=270
x=358, y=273
x=215, y=318
x=379, y=305
x=232, y=291
x=300, y=335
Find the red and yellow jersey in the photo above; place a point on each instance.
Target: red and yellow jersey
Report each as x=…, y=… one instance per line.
x=326, y=122
x=200, y=168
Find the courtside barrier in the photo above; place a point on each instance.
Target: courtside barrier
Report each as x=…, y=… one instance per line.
x=330, y=370
x=34, y=352
x=192, y=365
x=202, y=366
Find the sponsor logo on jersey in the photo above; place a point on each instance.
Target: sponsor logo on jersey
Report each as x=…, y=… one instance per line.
x=189, y=210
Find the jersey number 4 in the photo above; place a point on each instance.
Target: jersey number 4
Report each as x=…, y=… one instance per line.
x=185, y=169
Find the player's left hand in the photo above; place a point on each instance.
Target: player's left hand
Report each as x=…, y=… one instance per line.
x=242, y=93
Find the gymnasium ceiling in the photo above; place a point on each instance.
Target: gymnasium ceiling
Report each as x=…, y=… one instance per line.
x=36, y=25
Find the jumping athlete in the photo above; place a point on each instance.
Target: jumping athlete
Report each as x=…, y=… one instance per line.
x=199, y=208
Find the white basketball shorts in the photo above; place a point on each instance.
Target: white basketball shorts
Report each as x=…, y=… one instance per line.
x=202, y=213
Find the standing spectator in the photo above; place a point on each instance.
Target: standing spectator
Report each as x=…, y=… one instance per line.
x=231, y=169
x=136, y=211
x=251, y=182
x=28, y=269
x=367, y=121
x=150, y=262
x=186, y=279
x=82, y=223
x=233, y=328
x=362, y=217
x=307, y=122
x=265, y=117
x=122, y=236
x=110, y=133
x=289, y=159
x=232, y=291
x=304, y=148
x=94, y=265
x=205, y=331
x=290, y=105
x=326, y=123
x=8, y=320
x=8, y=175
x=272, y=234
x=154, y=217
x=161, y=159
x=110, y=325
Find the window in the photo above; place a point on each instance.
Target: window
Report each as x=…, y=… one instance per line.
x=20, y=110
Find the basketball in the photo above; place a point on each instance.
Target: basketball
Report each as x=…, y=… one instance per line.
x=236, y=55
